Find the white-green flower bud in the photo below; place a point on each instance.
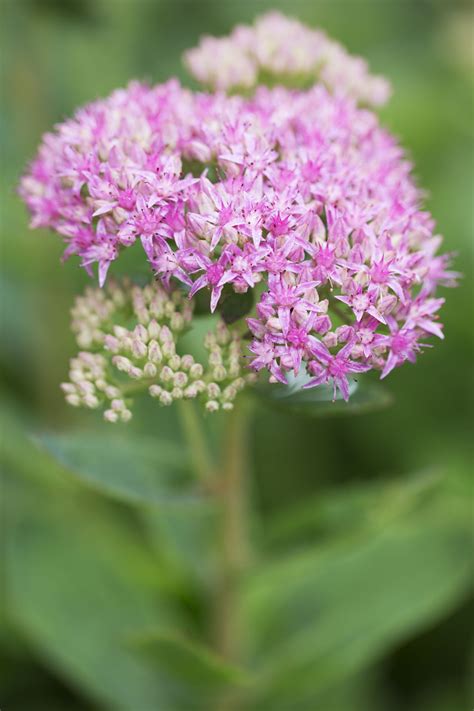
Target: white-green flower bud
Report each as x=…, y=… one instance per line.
x=73, y=399
x=155, y=390
x=213, y=390
x=187, y=362
x=200, y=385
x=165, y=335
x=120, y=332
x=166, y=374
x=154, y=352
x=139, y=348
x=212, y=406
x=168, y=349
x=141, y=333
x=150, y=370
x=215, y=357
x=196, y=370
x=85, y=387
x=219, y=373
x=111, y=391
x=174, y=362
x=180, y=379
x=230, y=393
x=166, y=398
x=177, y=322
x=91, y=401
x=191, y=391
x=117, y=404
x=123, y=364
x=153, y=329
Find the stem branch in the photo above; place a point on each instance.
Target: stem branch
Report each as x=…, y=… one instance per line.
x=196, y=438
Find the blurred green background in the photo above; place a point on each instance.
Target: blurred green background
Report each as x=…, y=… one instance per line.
x=362, y=523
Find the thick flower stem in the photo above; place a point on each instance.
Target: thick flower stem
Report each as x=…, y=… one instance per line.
x=234, y=546
x=228, y=483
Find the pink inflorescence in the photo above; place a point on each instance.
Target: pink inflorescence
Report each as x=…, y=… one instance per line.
x=299, y=195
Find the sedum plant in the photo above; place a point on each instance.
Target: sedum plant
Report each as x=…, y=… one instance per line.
x=274, y=206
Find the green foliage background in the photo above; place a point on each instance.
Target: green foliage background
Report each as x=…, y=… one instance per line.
x=359, y=596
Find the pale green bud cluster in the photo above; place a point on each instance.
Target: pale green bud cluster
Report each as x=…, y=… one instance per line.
x=131, y=335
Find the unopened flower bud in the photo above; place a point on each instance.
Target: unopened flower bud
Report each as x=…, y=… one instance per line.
x=121, y=363
x=150, y=370
x=91, y=401
x=219, y=373
x=153, y=329
x=166, y=398
x=213, y=390
x=154, y=352
x=187, y=362
x=139, y=349
x=166, y=374
x=196, y=370
x=180, y=379
x=73, y=399
x=174, y=362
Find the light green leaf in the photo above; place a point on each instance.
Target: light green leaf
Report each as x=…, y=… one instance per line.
x=365, y=396
x=321, y=616
x=134, y=469
x=195, y=670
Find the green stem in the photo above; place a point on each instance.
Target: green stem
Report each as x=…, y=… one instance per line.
x=234, y=539
x=198, y=447
x=228, y=484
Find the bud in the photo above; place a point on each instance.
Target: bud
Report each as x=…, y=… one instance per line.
x=150, y=370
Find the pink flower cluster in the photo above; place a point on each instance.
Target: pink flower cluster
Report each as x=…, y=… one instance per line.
x=299, y=195
x=279, y=48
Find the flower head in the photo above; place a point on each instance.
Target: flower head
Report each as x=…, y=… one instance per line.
x=297, y=195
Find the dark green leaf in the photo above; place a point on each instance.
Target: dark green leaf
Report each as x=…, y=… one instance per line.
x=365, y=396
x=233, y=307
x=350, y=509
x=135, y=469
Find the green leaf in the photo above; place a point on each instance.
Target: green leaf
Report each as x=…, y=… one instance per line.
x=195, y=670
x=80, y=582
x=365, y=396
x=187, y=537
x=351, y=509
x=233, y=306
x=138, y=470
x=321, y=616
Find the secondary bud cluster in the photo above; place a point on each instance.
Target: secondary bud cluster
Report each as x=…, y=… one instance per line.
x=131, y=335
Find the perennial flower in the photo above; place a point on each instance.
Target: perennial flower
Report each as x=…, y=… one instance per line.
x=297, y=195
